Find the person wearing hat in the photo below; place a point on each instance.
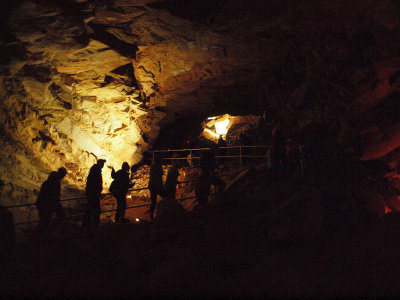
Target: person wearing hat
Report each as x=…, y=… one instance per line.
x=119, y=188
x=48, y=200
x=94, y=187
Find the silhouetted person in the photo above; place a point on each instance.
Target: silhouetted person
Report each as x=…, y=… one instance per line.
x=94, y=186
x=279, y=160
x=172, y=180
x=221, y=146
x=155, y=184
x=207, y=174
x=48, y=200
x=119, y=188
x=208, y=162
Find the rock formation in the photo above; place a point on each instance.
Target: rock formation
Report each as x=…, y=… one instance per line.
x=83, y=80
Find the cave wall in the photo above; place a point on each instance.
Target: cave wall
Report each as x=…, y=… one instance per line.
x=83, y=80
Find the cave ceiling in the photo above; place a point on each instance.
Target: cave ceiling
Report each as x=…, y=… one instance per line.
x=83, y=80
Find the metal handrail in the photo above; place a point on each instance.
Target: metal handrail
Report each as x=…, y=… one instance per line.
x=179, y=150
x=208, y=148
x=167, y=158
x=145, y=188
x=106, y=194
x=224, y=156
x=70, y=199
x=111, y=210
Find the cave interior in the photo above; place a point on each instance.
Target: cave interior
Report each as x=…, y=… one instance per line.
x=83, y=80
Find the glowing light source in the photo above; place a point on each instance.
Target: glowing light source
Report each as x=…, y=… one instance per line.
x=217, y=126
x=137, y=220
x=221, y=127
x=212, y=133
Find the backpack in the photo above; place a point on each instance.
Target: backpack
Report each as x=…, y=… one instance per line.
x=113, y=186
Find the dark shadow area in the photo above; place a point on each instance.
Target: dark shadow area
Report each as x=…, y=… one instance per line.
x=193, y=10
x=174, y=135
x=127, y=70
x=7, y=236
x=101, y=34
x=386, y=113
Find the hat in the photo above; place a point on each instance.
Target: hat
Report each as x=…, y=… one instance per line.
x=101, y=161
x=62, y=171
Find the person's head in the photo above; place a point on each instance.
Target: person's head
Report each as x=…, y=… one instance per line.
x=125, y=167
x=101, y=163
x=61, y=172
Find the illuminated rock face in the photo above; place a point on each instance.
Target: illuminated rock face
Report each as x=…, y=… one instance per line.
x=83, y=80
x=68, y=102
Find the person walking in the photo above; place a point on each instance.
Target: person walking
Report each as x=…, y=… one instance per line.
x=207, y=176
x=222, y=150
x=94, y=186
x=155, y=184
x=48, y=200
x=119, y=188
x=172, y=180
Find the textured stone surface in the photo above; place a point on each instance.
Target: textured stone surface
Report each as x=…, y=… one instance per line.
x=88, y=79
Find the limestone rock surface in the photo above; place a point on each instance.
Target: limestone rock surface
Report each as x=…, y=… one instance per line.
x=83, y=80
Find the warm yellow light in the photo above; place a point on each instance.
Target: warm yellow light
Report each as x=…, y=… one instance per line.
x=217, y=127
x=212, y=133
x=221, y=127
x=137, y=220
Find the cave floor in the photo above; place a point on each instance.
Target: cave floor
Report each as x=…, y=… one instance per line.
x=222, y=250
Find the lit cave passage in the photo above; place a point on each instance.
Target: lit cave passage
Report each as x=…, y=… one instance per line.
x=116, y=79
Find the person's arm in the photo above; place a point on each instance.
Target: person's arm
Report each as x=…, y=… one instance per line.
x=129, y=184
x=113, y=173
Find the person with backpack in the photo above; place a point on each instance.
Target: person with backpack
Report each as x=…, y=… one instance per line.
x=48, y=200
x=207, y=177
x=119, y=188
